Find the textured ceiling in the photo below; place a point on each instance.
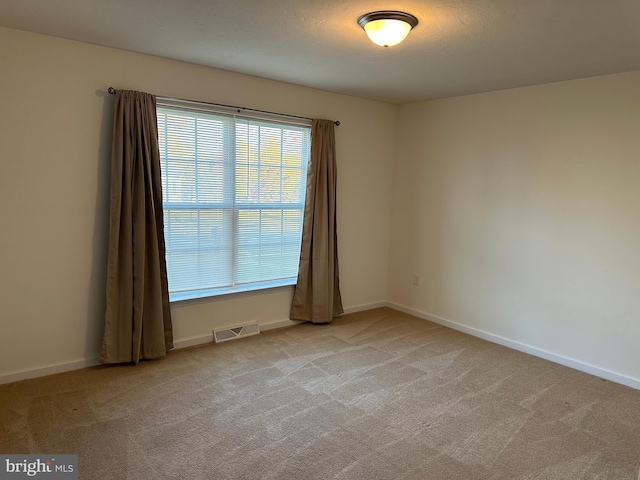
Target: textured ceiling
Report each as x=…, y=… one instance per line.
x=459, y=47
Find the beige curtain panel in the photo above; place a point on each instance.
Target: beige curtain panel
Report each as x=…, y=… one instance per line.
x=317, y=294
x=137, y=317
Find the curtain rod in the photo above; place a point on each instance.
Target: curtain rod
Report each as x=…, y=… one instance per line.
x=112, y=91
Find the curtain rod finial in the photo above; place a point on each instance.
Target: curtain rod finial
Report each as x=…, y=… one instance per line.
x=111, y=90
x=337, y=123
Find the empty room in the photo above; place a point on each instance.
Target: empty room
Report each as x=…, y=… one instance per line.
x=320, y=239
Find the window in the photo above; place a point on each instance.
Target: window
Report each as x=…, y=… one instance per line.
x=233, y=199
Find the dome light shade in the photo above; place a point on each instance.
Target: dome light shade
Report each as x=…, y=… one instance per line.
x=387, y=28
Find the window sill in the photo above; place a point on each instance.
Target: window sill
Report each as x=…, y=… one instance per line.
x=218, y=294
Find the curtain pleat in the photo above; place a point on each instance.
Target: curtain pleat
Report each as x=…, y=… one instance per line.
x=137, y=317
x=317, y=293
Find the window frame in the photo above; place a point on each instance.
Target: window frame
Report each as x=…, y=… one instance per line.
x=229, y=202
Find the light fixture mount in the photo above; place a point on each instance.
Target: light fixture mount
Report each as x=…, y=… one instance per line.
x=387, y=27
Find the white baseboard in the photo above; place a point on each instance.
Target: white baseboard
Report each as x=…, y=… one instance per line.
x=52, y=369
x=192, y=341
x=523, y=347
x=362, y=308
x=278, y=324
x=288, y=323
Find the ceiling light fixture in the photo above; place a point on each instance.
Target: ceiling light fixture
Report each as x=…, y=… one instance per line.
x=387, y=28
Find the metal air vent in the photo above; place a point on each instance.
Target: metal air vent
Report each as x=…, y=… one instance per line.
x=232, y=333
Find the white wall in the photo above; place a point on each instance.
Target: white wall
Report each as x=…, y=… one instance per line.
x=520, y=210
x=55, y=134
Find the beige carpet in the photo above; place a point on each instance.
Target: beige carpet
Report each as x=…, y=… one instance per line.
x=375, y=395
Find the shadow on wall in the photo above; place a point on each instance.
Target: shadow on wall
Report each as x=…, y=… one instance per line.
x=97, y=281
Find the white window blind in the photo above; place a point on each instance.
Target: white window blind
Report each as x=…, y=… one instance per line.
x=233, y=199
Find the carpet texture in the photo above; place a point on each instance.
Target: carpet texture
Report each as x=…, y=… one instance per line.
x=374, y=395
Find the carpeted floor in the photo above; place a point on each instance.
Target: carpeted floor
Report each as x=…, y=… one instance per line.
x=375, y=395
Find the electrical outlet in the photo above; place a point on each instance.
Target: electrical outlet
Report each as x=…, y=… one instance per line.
x=416, y=280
